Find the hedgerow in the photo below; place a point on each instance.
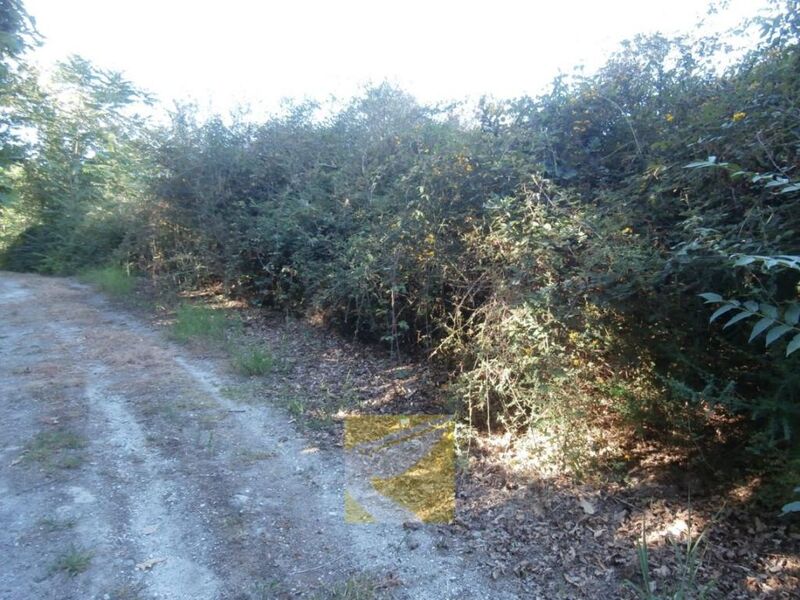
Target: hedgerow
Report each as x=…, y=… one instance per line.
x=549, y=251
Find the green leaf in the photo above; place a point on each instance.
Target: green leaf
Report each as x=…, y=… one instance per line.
x=790, y=188
x=793, y=345
x=721, y=311
x=745, y=314
x=760, y=327
x=792, y=262
x=769, y=310
x=744, y=260
x=751, y=306
x=776, y=183
x=702, y=164
x=792, y=314
x=711, y=297
x=776, y=332
x=791, y=507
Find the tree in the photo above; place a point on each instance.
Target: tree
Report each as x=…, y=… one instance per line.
x=17, y=35
x=84, y=175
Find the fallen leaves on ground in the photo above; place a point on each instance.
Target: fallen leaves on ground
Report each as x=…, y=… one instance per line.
x=148, y=564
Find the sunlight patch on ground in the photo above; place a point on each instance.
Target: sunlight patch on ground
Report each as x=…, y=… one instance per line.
x=399, y=468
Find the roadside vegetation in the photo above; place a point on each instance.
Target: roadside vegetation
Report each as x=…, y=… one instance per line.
x=114, y=281
x=55, y=449
x=559, y=257
x=252, y=361
x=73, y=561
x=193, y=321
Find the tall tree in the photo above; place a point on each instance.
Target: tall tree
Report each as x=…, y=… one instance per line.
x=83, y=175
x=17, y=34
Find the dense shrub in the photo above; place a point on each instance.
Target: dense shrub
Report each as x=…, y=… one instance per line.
x=549, y=251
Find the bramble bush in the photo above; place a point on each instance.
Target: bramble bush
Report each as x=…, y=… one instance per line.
x=549, y=251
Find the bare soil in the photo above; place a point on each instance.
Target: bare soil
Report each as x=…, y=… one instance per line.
x=132, y=468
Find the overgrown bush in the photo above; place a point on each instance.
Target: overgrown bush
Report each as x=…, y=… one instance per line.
x=548, y=250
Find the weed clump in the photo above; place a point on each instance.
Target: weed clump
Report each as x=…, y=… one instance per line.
x=252, y=361
x=193, y=321
x=114, y=281
x=74, y=561
x=60, y=449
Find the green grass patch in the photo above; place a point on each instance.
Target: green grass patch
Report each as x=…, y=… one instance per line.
x=73, y=562
x=114, y=281
x=56, y=449
x=192, y=321
x=320, y=420
x=266, y=590
x=355, y=588
x=250, y=457
x=252, y=361
x=296, y=407
x=51, y=525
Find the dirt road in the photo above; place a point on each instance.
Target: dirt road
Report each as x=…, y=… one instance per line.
x=126, y=473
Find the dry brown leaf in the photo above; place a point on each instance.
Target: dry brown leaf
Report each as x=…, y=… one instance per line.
x=148, y=564
x=678, y=528
x=759, y=525
x=587, y=506
x=538, y=509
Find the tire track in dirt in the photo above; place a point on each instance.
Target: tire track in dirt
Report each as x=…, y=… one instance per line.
x=237, y=502
x=160, y=535
x=47, y=510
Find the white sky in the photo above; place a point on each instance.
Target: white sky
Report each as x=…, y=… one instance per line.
x=259, y=51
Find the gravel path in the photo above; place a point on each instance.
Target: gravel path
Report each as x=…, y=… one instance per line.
x=126, y=472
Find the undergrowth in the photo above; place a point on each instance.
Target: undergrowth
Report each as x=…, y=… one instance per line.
x=684, y=581
x=252, y=361
x=547, y=251
x=114, y=281
x=195, y=321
